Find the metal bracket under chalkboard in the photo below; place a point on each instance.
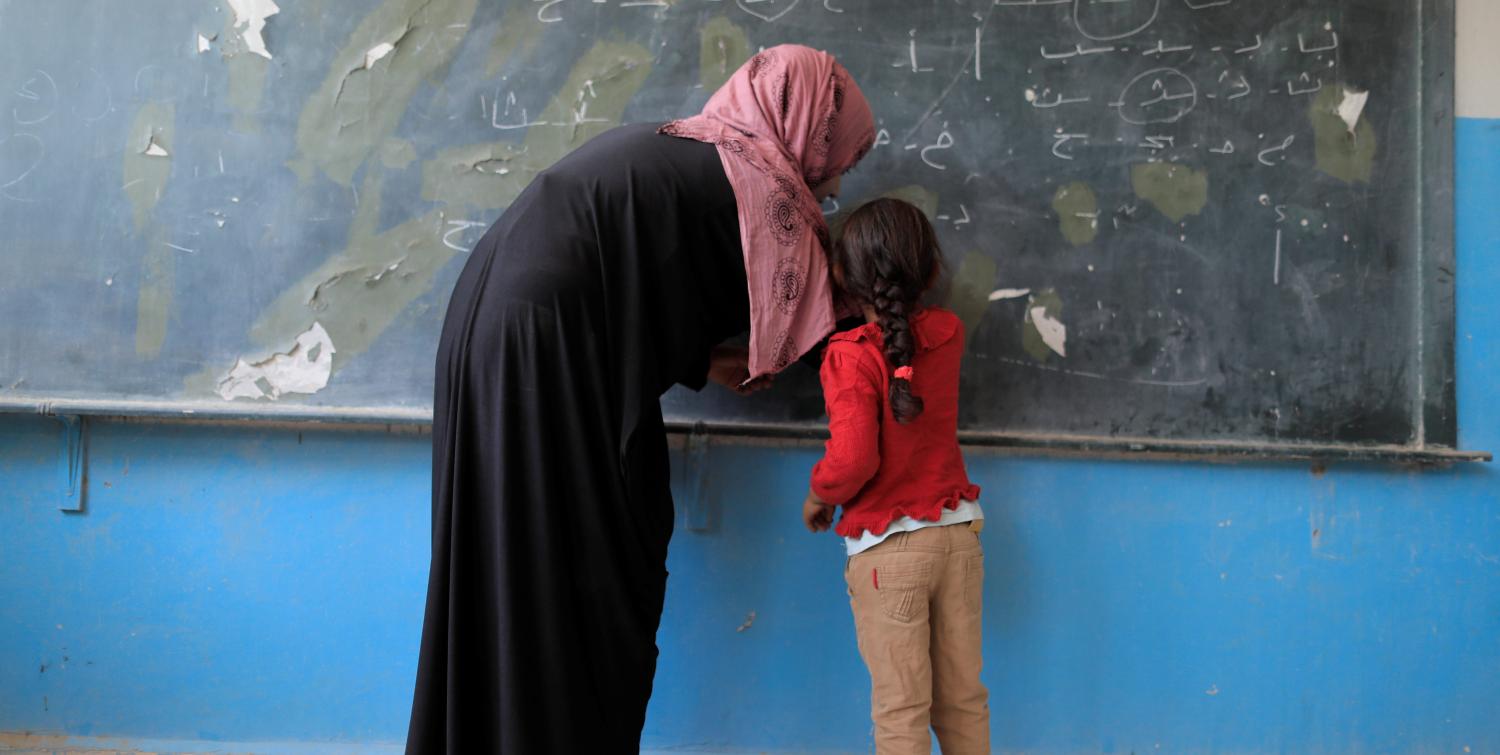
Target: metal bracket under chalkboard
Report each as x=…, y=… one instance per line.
x=72, y=462
x=700, y=510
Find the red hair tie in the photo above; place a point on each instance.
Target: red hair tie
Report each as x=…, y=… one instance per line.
x=904, y=373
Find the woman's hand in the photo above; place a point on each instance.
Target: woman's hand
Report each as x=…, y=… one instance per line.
x=729, y=366
x=817, y=515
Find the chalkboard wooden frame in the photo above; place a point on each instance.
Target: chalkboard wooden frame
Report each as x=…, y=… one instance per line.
x=1438, y=409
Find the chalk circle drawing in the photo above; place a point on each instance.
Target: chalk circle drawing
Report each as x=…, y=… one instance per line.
x=1099, y=35
x=768, y=10
x=1160, y=95
x=41, y=91
x=153, y=82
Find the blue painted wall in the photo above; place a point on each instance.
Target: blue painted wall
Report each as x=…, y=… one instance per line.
x=253, y=585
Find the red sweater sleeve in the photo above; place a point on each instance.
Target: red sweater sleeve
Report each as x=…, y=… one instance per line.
x=851, y=391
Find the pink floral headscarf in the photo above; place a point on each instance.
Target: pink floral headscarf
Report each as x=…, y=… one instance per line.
x=790, y=118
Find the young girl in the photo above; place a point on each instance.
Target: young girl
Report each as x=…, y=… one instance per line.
x=911, y=518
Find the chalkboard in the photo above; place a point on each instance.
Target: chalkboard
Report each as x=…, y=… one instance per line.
x=1195, y=221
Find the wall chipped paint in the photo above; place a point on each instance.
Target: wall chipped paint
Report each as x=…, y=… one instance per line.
x=158, y=280
x=1042, y=330
x=520, y=30
x=147, y=163
x=1077, y=213
x=1345, y=145
x=145, y=170
x=357, y=293
x=304, y=368
x=357, y=108
x=247, y=72
x=1174, y=189
x=723, y=48
x=969, y=295
x=250, y=22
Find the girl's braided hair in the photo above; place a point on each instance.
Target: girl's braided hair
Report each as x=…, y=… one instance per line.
x=887, y=257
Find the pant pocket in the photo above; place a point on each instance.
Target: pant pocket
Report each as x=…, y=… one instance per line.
x=974, y=582
x=902, y=589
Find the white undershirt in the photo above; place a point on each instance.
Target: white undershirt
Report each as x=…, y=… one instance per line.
x=967, y=511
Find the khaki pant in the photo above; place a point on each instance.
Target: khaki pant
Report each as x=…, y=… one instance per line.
x=917, y=602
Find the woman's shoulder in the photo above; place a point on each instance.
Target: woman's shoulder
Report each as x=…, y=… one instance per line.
x=635, y=152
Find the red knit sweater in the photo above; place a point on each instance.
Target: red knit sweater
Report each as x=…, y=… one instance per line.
x=878, y=469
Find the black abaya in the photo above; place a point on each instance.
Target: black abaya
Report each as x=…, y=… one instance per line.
x=608, y=280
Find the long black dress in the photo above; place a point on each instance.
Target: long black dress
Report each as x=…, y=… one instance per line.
x=608, y=280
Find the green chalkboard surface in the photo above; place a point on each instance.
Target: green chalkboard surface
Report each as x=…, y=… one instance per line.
x=1178, y=221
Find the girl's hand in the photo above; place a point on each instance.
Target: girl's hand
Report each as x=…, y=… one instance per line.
x=754, y=386
x=815, y=514
x=729, y=366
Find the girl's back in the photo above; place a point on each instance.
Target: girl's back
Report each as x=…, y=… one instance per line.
x=918, y=469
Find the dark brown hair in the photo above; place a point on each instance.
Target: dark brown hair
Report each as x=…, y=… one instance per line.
x=888, y=256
